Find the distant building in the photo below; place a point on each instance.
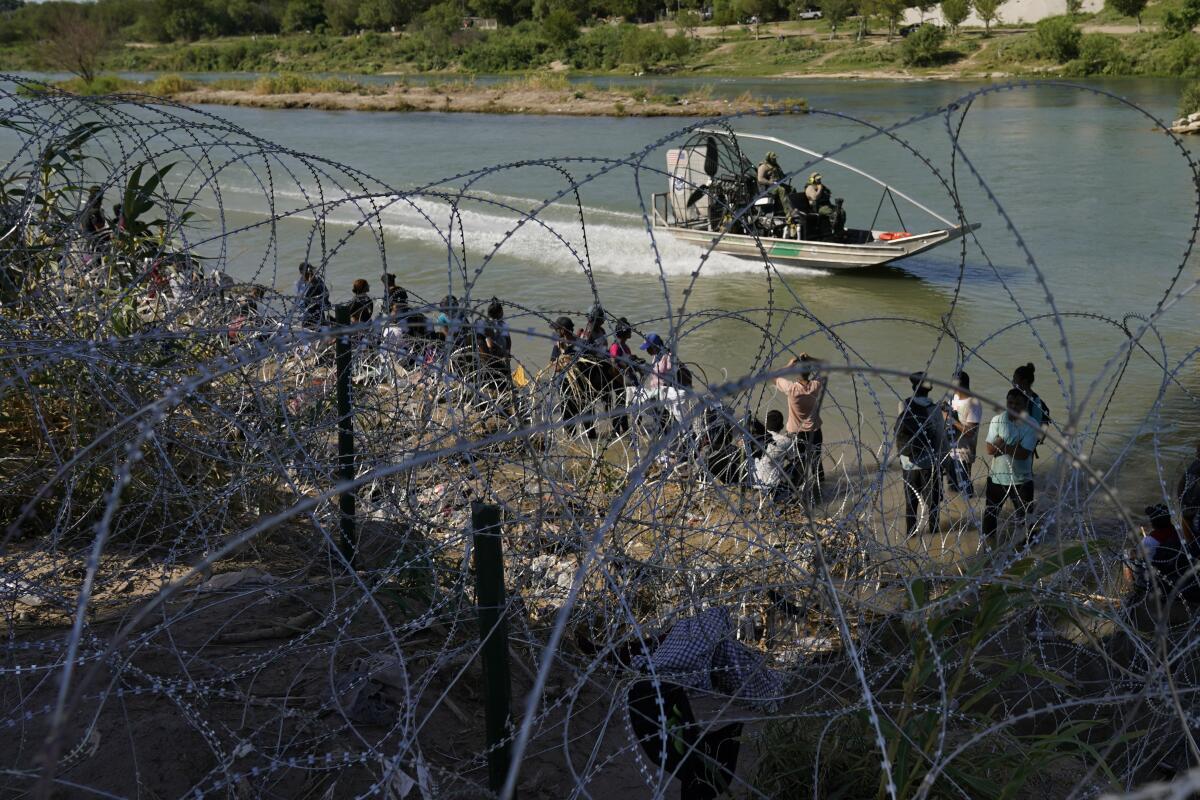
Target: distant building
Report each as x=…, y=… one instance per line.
x=480, y=23
x=1013, y=12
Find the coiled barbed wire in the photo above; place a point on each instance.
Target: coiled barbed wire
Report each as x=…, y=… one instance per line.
x=183, y=618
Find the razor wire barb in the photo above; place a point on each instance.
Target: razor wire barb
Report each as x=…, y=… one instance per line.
x=180, y=621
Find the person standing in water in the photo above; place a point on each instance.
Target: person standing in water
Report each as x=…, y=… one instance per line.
x=921, y=439
x=968, y=413
x=804, y=397
x=1038, y=411
x=1011, y=441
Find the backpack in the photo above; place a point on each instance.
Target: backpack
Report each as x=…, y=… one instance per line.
x=914, y=432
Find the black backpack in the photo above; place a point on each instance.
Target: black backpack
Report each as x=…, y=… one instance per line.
x=915, y=433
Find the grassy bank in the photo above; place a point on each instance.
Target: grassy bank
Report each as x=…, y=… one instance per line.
x=1063, y=46
x=538, y=94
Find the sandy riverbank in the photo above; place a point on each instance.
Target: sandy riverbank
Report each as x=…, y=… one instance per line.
x=501, y=99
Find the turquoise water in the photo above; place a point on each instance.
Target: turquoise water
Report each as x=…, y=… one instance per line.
x=1104, y=205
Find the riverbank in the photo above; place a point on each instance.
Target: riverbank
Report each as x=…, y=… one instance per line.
x=504, y=99
x=533, y=95
x=1080, y=46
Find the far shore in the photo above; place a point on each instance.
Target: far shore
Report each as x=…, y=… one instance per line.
x=503, y=98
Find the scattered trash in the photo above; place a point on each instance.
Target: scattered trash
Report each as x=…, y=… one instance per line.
x=246, y=578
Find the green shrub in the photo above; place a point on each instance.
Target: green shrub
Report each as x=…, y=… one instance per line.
x=290, y=83
x=606, y=47
x=923, y=46
x=1179, y=58
x=1100, y=54
x=523, y=46
x=1058, y=38
x=1189, y=101
x=100, y=85
x=168, y=85
x=560, y=27
x=1019, y=49
x=863, y=56
x=1181, y=22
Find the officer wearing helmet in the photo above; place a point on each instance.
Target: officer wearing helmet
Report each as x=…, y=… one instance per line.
x=769, y=176
x=817, y=194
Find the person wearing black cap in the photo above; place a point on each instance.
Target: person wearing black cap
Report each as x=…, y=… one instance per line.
x=623, y=368
x=494, y=341
x=572, y=379
x=316, y=298
x=921, y=440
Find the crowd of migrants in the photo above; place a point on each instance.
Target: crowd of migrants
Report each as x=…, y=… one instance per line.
x=938, y=441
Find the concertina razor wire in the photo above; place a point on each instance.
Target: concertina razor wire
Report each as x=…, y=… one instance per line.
x=183, y=616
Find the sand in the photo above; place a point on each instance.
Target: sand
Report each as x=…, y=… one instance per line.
x=570, y=101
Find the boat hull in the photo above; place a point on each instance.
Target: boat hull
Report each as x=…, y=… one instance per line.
x=815, y=254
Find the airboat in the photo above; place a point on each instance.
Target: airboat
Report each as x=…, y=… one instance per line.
x=714, y=201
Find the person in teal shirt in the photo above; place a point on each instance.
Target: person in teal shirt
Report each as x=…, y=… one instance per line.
x=1010, y=443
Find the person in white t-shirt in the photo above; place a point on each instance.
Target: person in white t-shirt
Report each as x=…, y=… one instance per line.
x=968, y=414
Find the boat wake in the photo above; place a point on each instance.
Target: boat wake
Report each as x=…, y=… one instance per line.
x=615, y=242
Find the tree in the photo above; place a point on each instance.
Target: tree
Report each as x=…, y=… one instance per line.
x=443, y=19
x=504, y=11
x=341, y=15
x=1074, y=7
x=1128, y=8
x=1058, y=38
x=1181, y=23
x=955, y=12
x=560, y=27
x=923, y=46
x=988, y=11
x=835, y=12
x=380, y=15
x=75, y=42
x=303, y=15
x=924, y=7
x=687, y=21
x=724, y=13
x=893, y=12
x=755, y=10
x=865, y=9
x=183, y=20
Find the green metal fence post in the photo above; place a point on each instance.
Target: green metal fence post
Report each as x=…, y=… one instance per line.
x=493, y=632
x=345, y=460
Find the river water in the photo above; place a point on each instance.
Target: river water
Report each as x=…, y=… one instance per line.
x=1067, y=179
